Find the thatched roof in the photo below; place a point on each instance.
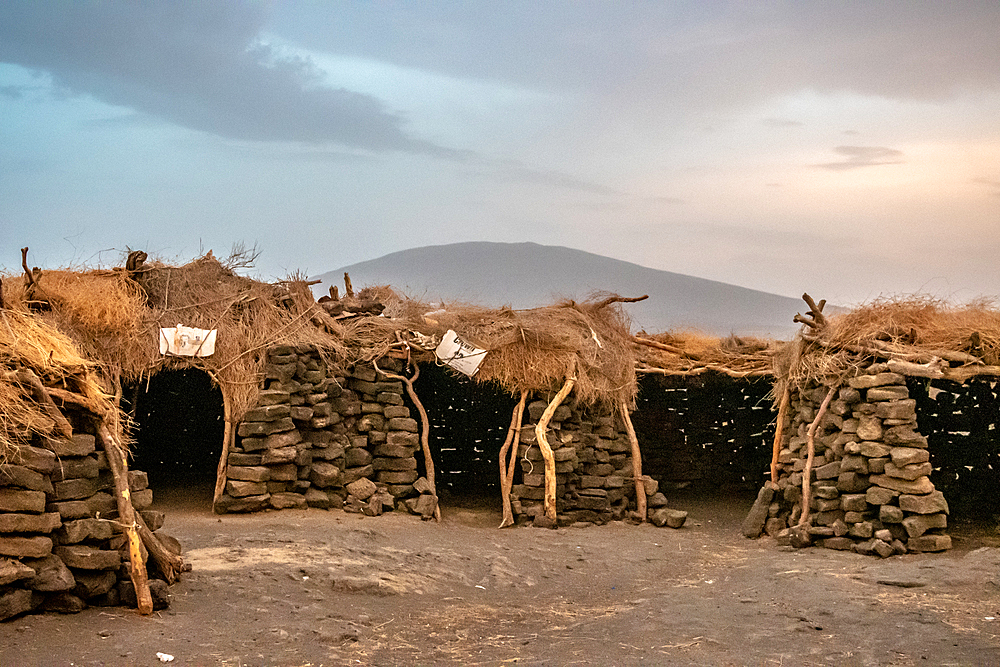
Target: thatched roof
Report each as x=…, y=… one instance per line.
x=113, y=317
x=531, y=350
x=914, y=336
x=31, y=350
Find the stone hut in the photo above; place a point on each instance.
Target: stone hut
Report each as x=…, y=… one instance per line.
x=852, y=466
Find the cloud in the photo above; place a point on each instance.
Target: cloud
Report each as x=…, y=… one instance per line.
x=856, y=157
x=199, y=65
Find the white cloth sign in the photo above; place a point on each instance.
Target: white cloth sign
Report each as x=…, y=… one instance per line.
x=460, y=355
x=182, y=341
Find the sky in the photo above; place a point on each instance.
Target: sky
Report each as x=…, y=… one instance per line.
x=847, y=149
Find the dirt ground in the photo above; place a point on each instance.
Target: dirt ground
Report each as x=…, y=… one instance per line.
x=329, y=588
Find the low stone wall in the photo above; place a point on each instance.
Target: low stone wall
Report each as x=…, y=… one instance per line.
x=351, y=442
x=326, y=442
x=60, y=546
x=870, y=491
x=594, y=479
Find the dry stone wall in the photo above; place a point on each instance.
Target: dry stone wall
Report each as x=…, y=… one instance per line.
x=594, y=479
x=60, y=546
x=870, y=488
x=316, y=440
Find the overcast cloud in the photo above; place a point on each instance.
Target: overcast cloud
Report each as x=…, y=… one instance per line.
x=845, y=148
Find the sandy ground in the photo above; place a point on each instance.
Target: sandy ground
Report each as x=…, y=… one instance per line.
x=329, y=588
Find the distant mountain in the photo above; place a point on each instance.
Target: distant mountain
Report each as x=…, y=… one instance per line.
x=527, y=275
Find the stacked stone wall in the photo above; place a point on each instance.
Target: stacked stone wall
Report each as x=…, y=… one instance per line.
x=593, y=463
x=61, y=548
x=870, y=489
x=325, y=441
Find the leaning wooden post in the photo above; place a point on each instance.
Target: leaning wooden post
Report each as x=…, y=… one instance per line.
x=543, y=444
x=222, y=470
x=811, y=455
x=779, y=433
x=507, y=469
x=640, y=488
x=425, y=428
x=127, y=517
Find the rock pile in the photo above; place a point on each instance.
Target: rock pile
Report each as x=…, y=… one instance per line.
x=60, y=546
x=870, y=488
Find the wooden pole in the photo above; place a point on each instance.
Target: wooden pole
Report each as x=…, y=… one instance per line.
x=507, y=469
x=779, y=433
x=127, y=517
x=640, y=488
x=543, y=444
x=222, y=469
x=811, y=455
x=425, y=429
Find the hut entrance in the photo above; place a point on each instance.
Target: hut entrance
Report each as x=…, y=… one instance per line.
x=178, y=434
x=705, y=434
x=962, y=426
x=469, y=423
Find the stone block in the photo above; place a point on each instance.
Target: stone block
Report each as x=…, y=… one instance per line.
x=352, y=474
x=854, y=502
x=73, y=532
x=838, y=543
x=280, y=455
x=25, y=547
x=909, y=472
x=753, y=524
x=861, y=529
x=395, y=463
x=267, y=413
x=929, y=503
x=285, y=472
x=286, y=501
x=877, y=495
x=667, y=517
x=919, y=486
x=317, y=498
x=890, y=393
x=856, y=464
x=16, y=500
x=356, y=456
x=91, y=583
x=827, y=471
x=26, y=478
x=283, y=439
x=869, y=428
x=890, y=514
x=873, y=450
x=397, y=477
x=852, y=482
x=154, y=519
x=904, y=456
x=249, y=473
x=74, y=489
x=403, y=424
x=12, y=570
x=918, y=524
x=36, y=458
x=81, y=444
x=88, y=558
x=362, y=489
x=904, y=435
x=324, y=474
x=901, y=409
x=929, y=543
x=228, y=503
x=240, y=489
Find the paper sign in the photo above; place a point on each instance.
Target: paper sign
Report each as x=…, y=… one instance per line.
x=182, y=341
x=460, y=355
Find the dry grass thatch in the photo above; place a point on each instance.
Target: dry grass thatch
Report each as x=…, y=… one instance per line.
x=528, y=350
x=917, y=335
x=693, y=353
x=28, y=344
x=114, y=320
